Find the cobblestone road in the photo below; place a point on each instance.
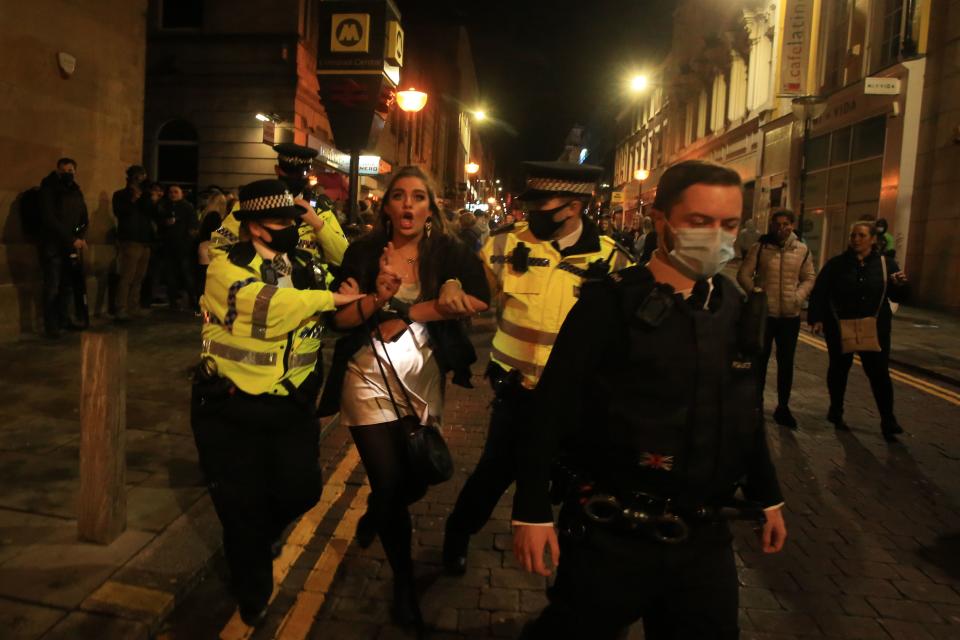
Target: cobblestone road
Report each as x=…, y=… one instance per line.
x=874, y=547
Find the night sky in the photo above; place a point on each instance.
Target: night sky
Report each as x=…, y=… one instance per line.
x=543, y=66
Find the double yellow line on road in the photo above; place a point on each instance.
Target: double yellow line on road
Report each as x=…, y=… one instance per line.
x=917, y=383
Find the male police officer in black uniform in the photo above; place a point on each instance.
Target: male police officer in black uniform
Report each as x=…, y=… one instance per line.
x=647, y=409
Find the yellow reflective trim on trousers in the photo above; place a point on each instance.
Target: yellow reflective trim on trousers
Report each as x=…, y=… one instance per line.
x=261, y=307
x=526, y=368
x=236, y=354
x=526, y=334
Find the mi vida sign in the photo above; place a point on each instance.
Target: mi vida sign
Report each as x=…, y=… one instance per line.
x=795, y=48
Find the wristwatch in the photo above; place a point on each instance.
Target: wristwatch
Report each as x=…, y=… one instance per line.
x=400, y=308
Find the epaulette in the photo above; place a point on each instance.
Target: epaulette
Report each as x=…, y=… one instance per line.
x=241, y=254
x=507, y=228
x=619, y=246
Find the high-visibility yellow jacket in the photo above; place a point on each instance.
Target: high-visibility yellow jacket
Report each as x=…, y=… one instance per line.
x=533, y=303
x=260, y=334
x=327, y=245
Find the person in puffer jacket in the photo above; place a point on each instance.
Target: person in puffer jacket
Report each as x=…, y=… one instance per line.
x=780, y=264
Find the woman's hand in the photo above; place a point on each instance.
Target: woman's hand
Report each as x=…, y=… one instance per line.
x=898, y=278
x=391, y=329
x=340, y=299
x=817, y=328
x=455, y=301
x=387, y=286
x=349, y=286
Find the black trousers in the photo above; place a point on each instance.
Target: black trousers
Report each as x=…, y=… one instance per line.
x=260, y=458
x=496, y=470
x=785, y=332
x=178, y=273
x=57, y=286
x=876, y=364
x=606, y=581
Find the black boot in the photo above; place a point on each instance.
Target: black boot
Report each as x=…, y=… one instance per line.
x=891, y=429
x=455, y=545
x=406, y=606
x=366, y=530
x=836, y=417
x=784, y=418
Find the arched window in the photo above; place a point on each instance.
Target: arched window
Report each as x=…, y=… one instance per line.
x=178, y=155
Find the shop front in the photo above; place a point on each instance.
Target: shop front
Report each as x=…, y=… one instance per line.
x=858, y=166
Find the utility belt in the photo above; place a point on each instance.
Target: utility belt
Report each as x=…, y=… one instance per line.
x=643, y=514
x=504, y=382
x=209, y=382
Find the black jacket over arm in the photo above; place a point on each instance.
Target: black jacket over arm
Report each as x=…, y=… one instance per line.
x=669, y=410
x=451, y=346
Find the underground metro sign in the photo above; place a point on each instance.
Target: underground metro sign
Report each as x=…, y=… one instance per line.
x=350, y=33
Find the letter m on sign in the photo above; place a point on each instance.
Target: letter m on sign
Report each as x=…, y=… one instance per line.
x=350, y=33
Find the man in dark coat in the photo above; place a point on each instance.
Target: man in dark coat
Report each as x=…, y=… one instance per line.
x=648, y=406
x=135, y=233
x=64, y=219
x=177, y=227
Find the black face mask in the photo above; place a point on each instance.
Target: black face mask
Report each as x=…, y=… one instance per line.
x=284, y=240
x=66, y=178
x=541, y=222
x=296, y=184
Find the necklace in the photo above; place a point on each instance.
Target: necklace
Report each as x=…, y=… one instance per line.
x=410, y=260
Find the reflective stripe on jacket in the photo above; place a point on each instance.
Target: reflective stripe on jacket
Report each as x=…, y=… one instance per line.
x=260, y=335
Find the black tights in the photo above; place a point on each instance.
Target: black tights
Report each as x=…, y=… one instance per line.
x=383, y=450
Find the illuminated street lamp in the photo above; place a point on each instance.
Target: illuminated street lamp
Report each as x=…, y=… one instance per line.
x=411, y=100
x=638, y=83
x=480, y=115
x=472, y=168
x=640, y=175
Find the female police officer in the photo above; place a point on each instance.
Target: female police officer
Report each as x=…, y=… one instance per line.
x=252, y=410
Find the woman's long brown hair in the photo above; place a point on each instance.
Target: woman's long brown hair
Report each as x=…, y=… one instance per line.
x=430, y=243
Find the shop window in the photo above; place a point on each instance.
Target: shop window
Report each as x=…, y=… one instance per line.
x=838, y=31
x=892, y=28
x=868, y=138
x=840, y=146
x=817, y=152
x=815, y=191
x=839, y=182
x=865, y=180
x=181, y=14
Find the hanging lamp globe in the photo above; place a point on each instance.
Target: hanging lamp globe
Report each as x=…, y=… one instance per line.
x=411, y=100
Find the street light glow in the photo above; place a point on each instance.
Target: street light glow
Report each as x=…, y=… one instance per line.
x=639, y=82
x=263, y=118
x=472, y=168
x=641, y=174
x=411, y=100
x=480, y=114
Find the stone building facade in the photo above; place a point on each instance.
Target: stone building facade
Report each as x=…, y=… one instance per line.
x=93, y=114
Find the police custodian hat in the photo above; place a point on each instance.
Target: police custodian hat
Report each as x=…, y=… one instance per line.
x=550, y=179
x=265, y=199
x=294, y=158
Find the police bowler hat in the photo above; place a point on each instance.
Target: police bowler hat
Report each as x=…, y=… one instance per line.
x=265, y=199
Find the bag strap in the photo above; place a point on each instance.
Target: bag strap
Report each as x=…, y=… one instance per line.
x=883, y=295
x=383, y=373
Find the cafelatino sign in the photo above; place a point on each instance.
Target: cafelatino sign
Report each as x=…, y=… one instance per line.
x=795, y=48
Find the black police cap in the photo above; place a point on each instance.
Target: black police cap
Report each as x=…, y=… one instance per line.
x=550, y=179
x=294, y=157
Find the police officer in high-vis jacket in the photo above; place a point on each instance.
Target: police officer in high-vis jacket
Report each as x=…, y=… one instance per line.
x=318, y=230
x=538, y=267
x=252, y=410
x=645, y=424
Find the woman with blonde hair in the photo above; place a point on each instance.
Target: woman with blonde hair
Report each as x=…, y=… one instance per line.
x=407, y=334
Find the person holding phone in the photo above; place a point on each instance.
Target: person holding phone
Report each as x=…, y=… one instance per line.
x=859, y=283
x=420, y=281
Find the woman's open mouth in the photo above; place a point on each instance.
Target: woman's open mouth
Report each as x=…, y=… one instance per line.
x=406, y=221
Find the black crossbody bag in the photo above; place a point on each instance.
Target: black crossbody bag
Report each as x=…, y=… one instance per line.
x=427, y=451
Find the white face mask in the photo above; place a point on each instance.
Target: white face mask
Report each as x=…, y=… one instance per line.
x=701, y=253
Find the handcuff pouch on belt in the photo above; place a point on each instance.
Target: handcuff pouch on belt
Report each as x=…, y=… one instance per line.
x=520, y=258
x=636, y=512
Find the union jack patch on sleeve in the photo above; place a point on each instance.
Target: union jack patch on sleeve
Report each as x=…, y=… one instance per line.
x=656, y=461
